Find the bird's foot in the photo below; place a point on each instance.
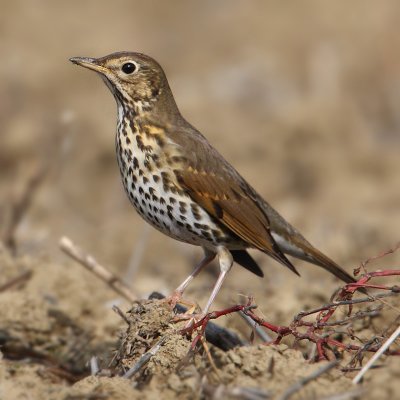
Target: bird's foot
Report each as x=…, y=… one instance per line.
x=175, y=301
x=186, y=311
x=194, y=320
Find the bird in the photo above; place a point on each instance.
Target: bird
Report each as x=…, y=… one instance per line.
x=181, y=185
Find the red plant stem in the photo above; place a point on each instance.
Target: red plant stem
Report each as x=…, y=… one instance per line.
x=322, y=342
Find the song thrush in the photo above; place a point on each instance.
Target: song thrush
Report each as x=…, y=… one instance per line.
x=182, y=185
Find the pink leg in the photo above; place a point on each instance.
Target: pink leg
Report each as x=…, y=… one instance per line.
x=225, y=265
x=177, y=294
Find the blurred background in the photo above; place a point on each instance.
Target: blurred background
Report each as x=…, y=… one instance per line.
x=302, y=97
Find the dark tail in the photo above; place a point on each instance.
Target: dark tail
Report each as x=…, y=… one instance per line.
x=320, y=259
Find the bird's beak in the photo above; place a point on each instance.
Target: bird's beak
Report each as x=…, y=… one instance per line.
x=90, y=63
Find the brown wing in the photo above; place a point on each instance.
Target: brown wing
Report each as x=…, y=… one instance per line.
x=216, y=186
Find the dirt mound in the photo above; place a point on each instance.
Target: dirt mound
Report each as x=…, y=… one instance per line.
x=49, y=333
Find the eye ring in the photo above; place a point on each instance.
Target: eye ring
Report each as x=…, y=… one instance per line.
x=129, y=67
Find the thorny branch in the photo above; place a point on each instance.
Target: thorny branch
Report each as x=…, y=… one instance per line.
x=322, y=329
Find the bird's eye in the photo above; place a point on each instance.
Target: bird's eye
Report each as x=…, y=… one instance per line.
x=129, y=68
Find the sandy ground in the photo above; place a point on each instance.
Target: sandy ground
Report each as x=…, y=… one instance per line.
x=303, y=98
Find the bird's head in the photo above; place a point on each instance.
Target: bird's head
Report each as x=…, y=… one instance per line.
x=136, y=80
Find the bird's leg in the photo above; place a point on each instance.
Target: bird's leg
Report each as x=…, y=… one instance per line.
x=225, y=264
x=225, y=259
x=177, y=294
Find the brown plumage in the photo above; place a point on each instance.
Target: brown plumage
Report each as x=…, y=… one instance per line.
x=183, y=186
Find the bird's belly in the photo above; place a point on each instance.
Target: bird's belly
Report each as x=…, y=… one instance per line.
x=175, y=214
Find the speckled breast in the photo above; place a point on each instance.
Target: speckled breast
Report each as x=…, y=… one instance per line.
x=147, y=162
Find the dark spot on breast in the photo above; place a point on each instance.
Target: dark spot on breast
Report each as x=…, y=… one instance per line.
x=165, y=177
x=141, y=191
x=196, y=216
x=162, y=212
x=135, y=163
x=162, y=200
x=149, y=167
x=147, y=196
x=128, y=141
x=159, y=140
x=172, y=200
x=141, y=172
x=178, y=159
x=206, y=234
x=217, y=234
x=145, y=180
x=169, y=208
x=139, y=143
x=132, y=125
x=133, y=186
x=181, y=224
x=154, y=197
x=195, y=211
x=156, y=178
x=182, y=207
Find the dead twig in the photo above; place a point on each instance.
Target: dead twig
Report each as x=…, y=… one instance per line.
x=257, y=328
x=364, y=264
x=233, y=392
x=307, y=379
x=372, y=360
x=68, y=247
x=21, y=206
x=352, y=394
x=18, y=280
x=121, y=314
x=145, y=358
x=321, y=331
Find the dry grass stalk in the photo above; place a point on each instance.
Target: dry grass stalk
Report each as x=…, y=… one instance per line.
x=20, y=206
x=68, y=247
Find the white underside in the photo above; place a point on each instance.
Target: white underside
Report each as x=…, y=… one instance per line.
x=287, y=247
